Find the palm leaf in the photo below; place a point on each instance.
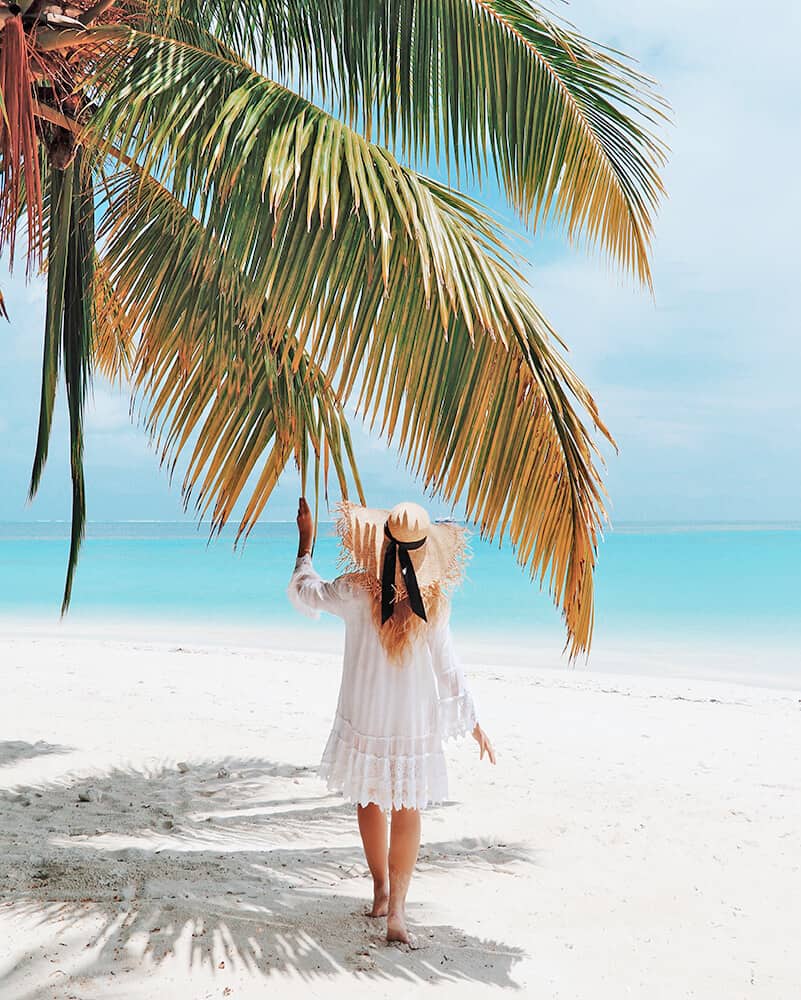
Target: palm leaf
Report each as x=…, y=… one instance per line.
x=19, y=149
x=77, y=336
x=114, y=337
x=397, y=288
x=567, y=126
x=69, y=319
x=210, y=381
x=59, y=228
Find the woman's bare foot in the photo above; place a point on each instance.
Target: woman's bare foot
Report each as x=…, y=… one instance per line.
x=396, y=928
x=380, y=900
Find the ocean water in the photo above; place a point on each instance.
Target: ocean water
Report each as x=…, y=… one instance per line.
x=723, y=585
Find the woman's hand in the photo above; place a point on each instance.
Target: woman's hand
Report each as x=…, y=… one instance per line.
x=484, y=744
x=305, y=528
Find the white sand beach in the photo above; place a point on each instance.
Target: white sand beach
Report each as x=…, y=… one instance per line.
x=639, y=837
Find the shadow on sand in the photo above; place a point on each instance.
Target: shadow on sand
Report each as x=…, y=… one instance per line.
x=238, y=864
x=14, y=751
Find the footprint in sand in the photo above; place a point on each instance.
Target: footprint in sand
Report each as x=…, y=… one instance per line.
x=362, y=961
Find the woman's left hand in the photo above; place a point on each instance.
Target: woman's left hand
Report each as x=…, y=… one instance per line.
x=483, y=743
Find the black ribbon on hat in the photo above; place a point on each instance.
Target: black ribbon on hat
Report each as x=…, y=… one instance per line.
x=400, y=551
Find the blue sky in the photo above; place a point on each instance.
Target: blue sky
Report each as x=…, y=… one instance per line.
x=699, y=384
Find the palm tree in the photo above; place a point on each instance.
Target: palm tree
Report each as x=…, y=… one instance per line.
x=231, y=203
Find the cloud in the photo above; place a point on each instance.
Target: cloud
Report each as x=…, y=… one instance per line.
x=699, y=384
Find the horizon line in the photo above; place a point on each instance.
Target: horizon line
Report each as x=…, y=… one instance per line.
x=645, y=522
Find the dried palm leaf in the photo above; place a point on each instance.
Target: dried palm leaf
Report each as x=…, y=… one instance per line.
x=19, y=146
x=211, y=382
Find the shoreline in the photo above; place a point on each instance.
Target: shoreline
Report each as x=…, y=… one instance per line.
x=772, y=664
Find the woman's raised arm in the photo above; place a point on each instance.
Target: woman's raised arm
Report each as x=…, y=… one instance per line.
x=307, y=590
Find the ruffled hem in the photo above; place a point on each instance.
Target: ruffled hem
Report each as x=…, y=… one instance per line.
x=418, y=745
x=400, y=781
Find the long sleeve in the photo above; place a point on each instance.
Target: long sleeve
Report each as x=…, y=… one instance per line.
x=310, y=594
x=457, y=711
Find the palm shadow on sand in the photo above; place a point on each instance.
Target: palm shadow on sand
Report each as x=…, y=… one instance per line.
x=225, y=862
x=14, y=751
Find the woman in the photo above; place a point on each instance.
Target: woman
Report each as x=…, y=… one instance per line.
x=402, y=690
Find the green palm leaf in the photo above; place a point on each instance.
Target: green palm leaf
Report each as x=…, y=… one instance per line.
x=566, y=125
x=59, y=219
x=77, y=337
x=68, y=337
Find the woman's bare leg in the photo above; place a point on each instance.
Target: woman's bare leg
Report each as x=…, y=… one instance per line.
x=373, y=828
x=404, y=844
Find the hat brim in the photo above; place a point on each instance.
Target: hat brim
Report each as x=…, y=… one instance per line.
x=438, y=563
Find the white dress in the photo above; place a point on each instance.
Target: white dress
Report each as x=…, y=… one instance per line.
x=386, y=742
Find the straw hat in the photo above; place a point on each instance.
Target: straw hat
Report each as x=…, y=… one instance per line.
x=438, y=563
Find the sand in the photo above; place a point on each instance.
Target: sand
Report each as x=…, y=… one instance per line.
x=164, y=834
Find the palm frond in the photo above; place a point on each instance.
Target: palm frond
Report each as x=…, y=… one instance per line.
x=19, y=147
x=398, y=288
x=114, y=337
x=211, y=382
x=77, y=337
x=59, y=229
x=69, y=320
x=569, y=127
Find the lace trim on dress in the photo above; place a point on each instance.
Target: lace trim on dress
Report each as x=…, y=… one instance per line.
x=457, y=716
x=399, y=781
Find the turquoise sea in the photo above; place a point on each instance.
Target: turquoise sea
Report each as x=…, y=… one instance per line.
x=721, y=584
